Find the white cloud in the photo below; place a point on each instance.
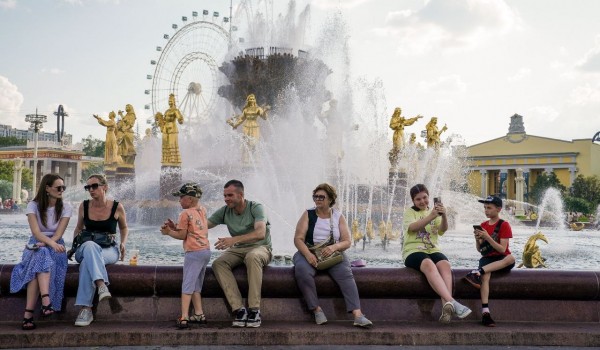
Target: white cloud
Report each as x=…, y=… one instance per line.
x=55, y=71
x=446, y=84
x=542, y=114
x=449, y=24
x=328, y=4
x=74, y=2
x=8, y=4
x=585, y=95
x=520, y=75
x=11, y=101
x=591, y=61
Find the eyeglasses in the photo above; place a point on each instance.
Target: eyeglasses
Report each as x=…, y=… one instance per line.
x=92, y=186
x=60, y=188
x=319, y=197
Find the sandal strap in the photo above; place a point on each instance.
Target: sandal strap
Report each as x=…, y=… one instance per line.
x=28, y=310
x=45, y=295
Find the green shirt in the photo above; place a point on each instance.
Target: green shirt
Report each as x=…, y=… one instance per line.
x=426, y=240
x=243, y=223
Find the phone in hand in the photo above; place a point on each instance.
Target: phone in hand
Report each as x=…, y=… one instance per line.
x=32, y=246
x=436, y=201
x=477, y=227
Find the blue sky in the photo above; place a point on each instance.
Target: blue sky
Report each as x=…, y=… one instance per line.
x=471, y=63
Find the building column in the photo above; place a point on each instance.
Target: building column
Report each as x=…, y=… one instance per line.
x=520, y=182
x=484, y=183
x=572, y=171
x=77, y=176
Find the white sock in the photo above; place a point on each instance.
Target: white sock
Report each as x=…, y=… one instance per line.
x=485, y=309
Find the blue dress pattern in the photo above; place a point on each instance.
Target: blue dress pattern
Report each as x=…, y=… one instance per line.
x=44, y=259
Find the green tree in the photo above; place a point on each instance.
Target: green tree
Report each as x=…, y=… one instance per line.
x=542, y=183
x=93, y=147
x=93, y=168
x=5, y=189
x=12, y=141
x=587, y=188
x=577, y=204
x=7, y=172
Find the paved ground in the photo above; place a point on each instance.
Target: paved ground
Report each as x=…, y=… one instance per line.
x=302, y=335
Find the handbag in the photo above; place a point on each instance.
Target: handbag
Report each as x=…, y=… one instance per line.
x=103, y=239
x=324, y=263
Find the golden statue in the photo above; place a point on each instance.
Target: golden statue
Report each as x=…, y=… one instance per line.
x=170, y=135
x=382, y=230
x=356, y=234
x=249, y=118
x=397, y=123
x=532, y=256
x=111, y=149
x=369, y=229
x=433, y=134
x=125, y=136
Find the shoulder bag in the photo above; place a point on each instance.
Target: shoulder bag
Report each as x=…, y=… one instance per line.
x=324, y=263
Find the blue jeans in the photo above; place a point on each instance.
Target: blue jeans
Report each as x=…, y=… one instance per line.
x=92, y=260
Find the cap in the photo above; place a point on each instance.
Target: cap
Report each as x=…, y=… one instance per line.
x=189, y=189
x=492, y=200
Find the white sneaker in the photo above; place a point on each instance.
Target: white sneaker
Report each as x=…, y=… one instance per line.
x=320, y=317
x=103, y=293
x=447, y=311
x=460, y=310
x=84, y=318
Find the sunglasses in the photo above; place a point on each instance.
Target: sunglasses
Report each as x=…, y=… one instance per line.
x=92, y=187
x=318, y=197
x=60, y=188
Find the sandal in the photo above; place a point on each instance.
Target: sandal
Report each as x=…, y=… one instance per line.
x=182, y=323
x=198, y=319
x=28, y=324
x=47, y=310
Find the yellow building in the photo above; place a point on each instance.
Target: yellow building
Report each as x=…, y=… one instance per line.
x=499, y=166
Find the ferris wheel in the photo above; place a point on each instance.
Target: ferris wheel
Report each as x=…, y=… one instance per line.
x=188, y=67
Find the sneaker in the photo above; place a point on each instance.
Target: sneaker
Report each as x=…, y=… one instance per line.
x=474, y=279
x=103, y=292
x=320, y=317
x=84, y=318
x=460, y=310
x=486, y=320
x=253, y=319
x=362, y=321
x=447, y=311
x=241, y=316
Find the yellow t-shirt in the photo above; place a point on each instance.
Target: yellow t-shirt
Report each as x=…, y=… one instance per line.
x=426, y=240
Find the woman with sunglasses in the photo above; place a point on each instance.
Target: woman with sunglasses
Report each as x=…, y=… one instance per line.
x=420, y=249
x=328, y=221
x=43, y=267
x=100, y=215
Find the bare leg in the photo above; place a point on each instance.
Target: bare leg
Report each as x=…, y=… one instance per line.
x=185, y=305
x=435, y=279
x=485, y=287
x=499, y=265
x=197, y=301
x=446, y=272
x=32, y=295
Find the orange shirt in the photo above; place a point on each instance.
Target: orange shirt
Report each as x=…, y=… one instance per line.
x=193, y=220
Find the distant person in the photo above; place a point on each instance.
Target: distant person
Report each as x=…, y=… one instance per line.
x=420, y=251
x=249, y=244
x=192, y=229
x=43, y=266
x=315, y=226
x=492, y=243
x=100, y=216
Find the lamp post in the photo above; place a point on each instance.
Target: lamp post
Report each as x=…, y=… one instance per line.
x=37, y=122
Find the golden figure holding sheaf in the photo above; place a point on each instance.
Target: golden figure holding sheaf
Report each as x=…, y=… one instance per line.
x=111, y=149
x=249, y=118
x=433, y=134
x=397, y=123
x=125, y=136
x=170, y=133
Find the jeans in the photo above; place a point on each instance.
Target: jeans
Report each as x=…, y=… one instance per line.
x=92, y=260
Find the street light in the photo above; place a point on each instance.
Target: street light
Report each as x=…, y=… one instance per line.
x=37, y=122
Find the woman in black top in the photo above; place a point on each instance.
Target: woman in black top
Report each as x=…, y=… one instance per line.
x=101, y=216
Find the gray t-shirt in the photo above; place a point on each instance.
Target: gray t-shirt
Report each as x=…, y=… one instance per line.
x=243, y=223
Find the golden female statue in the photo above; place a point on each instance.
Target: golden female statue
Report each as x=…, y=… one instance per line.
x=433, y=134
x=111, y=149
x=249, y=118
x=125, y=135
x=170, y=134
x=397, y=123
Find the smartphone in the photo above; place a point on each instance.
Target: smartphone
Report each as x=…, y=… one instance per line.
x=436, y=200
x=477, y=227
x=32, y=246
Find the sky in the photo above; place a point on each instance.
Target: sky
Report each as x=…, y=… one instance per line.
x=471, y=63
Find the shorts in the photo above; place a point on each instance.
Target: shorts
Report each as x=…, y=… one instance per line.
x=486, y=260
x=194, y=268
x=414, y=260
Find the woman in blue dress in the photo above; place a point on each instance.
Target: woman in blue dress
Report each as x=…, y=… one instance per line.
x=43, y=267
